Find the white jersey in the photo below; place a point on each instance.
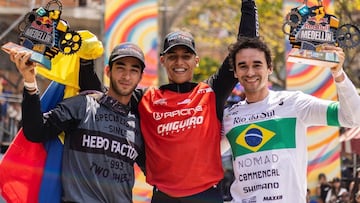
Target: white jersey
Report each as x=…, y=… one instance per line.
x=268, y=141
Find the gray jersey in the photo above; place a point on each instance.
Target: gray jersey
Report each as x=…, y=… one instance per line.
x=102, y=143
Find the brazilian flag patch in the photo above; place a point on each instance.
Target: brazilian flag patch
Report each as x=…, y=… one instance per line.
x=263, y=136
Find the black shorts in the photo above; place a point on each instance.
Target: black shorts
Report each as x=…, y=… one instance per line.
x=211, y=195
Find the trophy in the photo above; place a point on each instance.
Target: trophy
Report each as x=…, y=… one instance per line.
x=45, y=34
x=309, y=28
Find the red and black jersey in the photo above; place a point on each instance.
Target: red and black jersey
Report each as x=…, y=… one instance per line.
x=181, y=125
x=182, y=136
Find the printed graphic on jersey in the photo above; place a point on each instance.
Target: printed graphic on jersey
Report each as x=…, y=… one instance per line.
x=254, y=137
x=262, y=136
x=178, y=120
x=332, y=114
x=161, y=101
x=186, y=101
x=249, y=200
x=205, y=90
x=107, y=144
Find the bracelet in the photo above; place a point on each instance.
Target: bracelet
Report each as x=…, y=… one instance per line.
x=30, y=85
x=33, y=91
x=337, y=74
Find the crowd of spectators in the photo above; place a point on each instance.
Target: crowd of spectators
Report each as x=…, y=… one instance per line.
x=336, y=190
x=10, y=115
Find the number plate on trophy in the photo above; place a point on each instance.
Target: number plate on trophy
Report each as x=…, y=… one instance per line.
x=309, y=28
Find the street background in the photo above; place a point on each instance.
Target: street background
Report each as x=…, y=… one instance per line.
x=212, y=23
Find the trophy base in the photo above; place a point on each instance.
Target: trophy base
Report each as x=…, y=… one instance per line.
x=304, y=56
x=35, y=56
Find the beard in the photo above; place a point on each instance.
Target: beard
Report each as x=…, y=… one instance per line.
x=118, y=91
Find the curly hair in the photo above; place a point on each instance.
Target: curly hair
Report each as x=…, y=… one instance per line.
x=246, y=43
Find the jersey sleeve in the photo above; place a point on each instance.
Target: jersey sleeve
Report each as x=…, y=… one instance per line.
x=249, y=23
x=344, y=112
x=88, y=79
x=313, y=111
x=223, y=81
x=349, y=100
x=39, y=127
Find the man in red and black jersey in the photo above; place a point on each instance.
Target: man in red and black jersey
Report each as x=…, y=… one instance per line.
x=181, y=121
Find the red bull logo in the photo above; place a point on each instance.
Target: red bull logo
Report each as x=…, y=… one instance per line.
x=43, y=23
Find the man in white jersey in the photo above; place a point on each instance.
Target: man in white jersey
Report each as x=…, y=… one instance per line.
x=267, y=130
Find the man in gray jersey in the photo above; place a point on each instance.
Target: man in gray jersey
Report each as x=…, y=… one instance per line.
x=102, y=136
x=267, y=130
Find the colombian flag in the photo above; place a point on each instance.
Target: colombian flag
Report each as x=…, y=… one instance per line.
x=30, y=172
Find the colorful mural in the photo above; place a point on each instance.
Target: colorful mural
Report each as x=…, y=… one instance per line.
x=323, y=142
x=135, y=21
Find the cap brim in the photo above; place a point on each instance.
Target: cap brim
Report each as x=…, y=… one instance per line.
x=179, y=44
x=123, y=56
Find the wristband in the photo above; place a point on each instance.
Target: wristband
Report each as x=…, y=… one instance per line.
x=31, y=92
x=30, y=85
x=337, y=74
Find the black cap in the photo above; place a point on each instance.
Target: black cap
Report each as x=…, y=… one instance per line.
x=179, y=38
x=127, y=49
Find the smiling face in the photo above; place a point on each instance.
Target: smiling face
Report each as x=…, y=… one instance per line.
x=124, y=76
x=252, y=71
x=179, y=63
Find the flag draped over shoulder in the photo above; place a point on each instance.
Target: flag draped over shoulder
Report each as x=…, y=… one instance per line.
x=30, y=172
x=21, y=170
x=65, y=68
